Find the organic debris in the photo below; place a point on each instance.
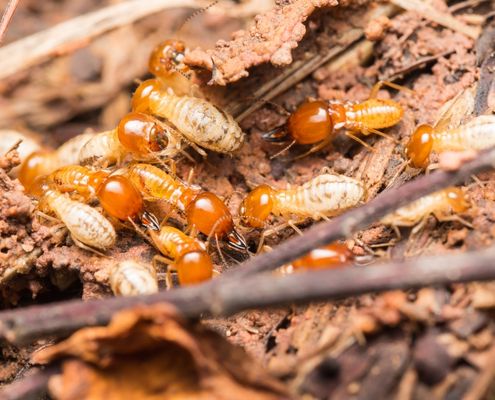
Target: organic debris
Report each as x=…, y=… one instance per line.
x=151, y=353
x=415, y=343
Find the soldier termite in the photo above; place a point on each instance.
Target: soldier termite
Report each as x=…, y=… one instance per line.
x=477, y=134
x=132, y=278
x=88, y=227
x=140, y=135
x=199, y=121
x=184, y=254
x=444, y=205
x=41, y=163
x=205, y=212
x=315, y=122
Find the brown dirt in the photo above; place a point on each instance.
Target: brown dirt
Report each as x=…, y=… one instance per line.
x=433, y=343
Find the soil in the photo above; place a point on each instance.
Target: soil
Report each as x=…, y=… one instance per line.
x=430, y=343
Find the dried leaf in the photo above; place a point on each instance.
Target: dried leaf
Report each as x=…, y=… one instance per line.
x=151, y=353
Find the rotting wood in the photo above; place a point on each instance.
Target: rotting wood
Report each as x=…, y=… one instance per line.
x=300, y=69
x=236, y=290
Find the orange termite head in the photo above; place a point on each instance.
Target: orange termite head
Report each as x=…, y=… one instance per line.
x=144, y=92
x=119, y=197
x=333, y=255
x=40, y=186
x=210, y=216
x=257, y=206
x=141, y=133
x=168, y=57
x=96, y=179
x=194, y=267
x=310, y=123
x=32, y=167
x=419, y=147
x=457, y=199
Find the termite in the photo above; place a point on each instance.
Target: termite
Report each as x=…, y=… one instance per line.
x=167, y=64
x=325, y=196
x=315, y=122
x=116, y=193
x=444, y=205
x=140, y=135
x=88, y=227
x=29, y=143
x=132, y=278
x=184, y=254
x=76, y=178
x=199, y=121
x=41, y=163
x=205, y=212
x=333, y=255
x=478, y=134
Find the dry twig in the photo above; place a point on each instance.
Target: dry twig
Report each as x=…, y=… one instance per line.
x=238, y=290
x=77, y=32
x=7, y=17
x=432, y=14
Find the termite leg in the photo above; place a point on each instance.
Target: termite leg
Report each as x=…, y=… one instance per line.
x=431, y=168
x=278, y=228
x=41, y=214
x=269, y=232
x=397, y=232
x=190, y=176
x=420, y=226
x=367, y=131
x=377, y=86
x=83, y=246
x=293, y=225
x=316, y=147
x=354, y=137
x=217, y=245
x=283, y=150
x=455, y=218
x=198, y=149
x=168, y=268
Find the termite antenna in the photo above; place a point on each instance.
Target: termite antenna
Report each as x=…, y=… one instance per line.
x=214, y=71
x=194, y=15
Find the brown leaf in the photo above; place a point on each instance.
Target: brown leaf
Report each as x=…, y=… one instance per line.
x=151, y=353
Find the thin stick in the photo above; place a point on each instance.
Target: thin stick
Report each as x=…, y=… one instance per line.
x=7, y=17
x=257, y=291
x=433, y=15
x=77, y=32
x=33, y=386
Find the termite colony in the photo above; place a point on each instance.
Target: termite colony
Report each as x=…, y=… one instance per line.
x=98, y=183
